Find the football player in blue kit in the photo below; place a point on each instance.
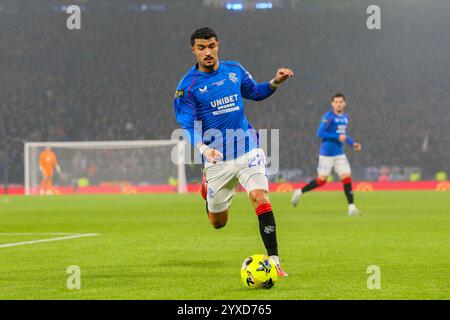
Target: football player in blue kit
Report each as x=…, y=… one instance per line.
x=209, y=107
x=333, y=132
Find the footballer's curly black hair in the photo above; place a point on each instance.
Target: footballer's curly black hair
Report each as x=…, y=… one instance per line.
x=203, y=33
x=337, y=95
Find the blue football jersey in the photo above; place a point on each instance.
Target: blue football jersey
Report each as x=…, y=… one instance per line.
x=331, y=126
x=210, y=107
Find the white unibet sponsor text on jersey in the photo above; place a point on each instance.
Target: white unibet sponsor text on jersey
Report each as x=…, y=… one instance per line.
x=225, y=100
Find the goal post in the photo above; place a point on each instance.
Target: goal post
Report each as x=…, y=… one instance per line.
x=107, y=164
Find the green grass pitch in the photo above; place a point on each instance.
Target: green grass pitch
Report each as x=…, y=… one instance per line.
x=162, y=247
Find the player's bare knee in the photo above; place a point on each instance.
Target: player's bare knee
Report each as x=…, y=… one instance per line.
x=219, y=220
x=218, y=225
x=259, y=197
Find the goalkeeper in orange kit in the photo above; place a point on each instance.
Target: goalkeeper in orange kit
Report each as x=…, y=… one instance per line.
x=47, y=163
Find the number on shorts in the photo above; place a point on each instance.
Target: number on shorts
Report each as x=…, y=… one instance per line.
x=256, y=160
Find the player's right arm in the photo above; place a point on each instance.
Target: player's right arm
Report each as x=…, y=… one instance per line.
x=323, y=132
x=185, y=113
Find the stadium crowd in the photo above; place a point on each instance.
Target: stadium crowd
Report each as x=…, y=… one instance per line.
x=115, y=78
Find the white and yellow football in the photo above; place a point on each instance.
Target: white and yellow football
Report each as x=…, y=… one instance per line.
x=259, y=271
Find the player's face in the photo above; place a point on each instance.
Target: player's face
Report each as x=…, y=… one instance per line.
x=207, y=53
x=338, y=104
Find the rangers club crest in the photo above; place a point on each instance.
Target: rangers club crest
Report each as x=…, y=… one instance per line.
x=233, y=77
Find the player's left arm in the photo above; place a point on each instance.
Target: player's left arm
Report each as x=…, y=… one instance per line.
x=357, y=146
x=281, y=76
x=259, y=91
x=57, y=167
x=351, y=142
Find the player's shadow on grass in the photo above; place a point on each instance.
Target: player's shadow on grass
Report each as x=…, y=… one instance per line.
x=197, y=263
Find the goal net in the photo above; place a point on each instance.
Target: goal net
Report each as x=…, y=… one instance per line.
x=105, y=167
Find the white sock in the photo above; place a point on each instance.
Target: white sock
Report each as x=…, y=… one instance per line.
x=352, y=206
x=276, y=259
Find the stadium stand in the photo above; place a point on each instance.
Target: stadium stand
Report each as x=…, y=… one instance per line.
x=106, y=82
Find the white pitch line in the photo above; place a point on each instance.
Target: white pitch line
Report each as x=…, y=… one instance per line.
x=35, y=233
x=6, y=245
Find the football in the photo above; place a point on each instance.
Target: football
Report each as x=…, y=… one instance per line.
x=259, y=271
